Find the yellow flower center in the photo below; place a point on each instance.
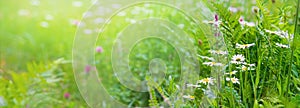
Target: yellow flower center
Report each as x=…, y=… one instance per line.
x=205, y=80
x=244, y=68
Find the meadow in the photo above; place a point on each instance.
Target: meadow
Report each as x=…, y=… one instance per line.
x=221, y=53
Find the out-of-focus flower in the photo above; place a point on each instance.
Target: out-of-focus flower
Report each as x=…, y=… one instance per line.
x=121, y=13
x=181, y=26
x=132, y=21
x=116, y=6
x=209, y=93
x=99, y=49
x=49, y=17
x=24, y=12
x=88, y=68
x=188, y=97
x=245, y=68
x=67, y=95
x=77, y=3
x=281, y=45
x=88, y=31
x=193, y=85
x=35, y=2
x=75, y=22
x=244, y=45
x=233, y=80
x=208, y=58
x=212, y=64
x=216, y=22
x=99, y=20
x=218, y=52
x=233, y=9
x=206, y=81
x=2, y=102
x=281, y=34
x=87, y=14
x=250, y=65
x=255, y=9
x=245, y=23
x=231, y=73
x=44, y=24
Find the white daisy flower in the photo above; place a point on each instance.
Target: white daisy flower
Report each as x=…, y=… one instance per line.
x=208, y=58
x=244, y=45
x=188, y=97
x=245, y=68
x=281, y=34
x=193, y=85
x=206, y=81
x=245, y=23
x=233, y=80
x=212, y=64
x=238, y=59
x=231, y=73
x=281, y=45
x=218, y=52
x=250, y=65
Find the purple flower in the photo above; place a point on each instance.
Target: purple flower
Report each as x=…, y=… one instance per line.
x=99, y=49
x=216, y=18
x=67, y=95
x=87, y=68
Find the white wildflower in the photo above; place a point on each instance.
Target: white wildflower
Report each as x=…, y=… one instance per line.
x=281, y=45
x=193, y=85
x=218, y=52
x=231, y=73
x=188, y=97
x=233, y=80
x=244, y=45
x=238, y=59
x=77, y=3
x=208, y=58
x=206, y=81
x=245, y=23
x=212, y=64
x=281, y=34
x=245, y=68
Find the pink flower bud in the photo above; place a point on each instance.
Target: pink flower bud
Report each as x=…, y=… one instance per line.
x=216, y=17
x=67, y=95
x=99, y=49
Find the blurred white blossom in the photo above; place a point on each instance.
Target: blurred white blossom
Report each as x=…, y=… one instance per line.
x=44, y=24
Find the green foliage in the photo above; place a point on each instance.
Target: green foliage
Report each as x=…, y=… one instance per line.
x=34, y=88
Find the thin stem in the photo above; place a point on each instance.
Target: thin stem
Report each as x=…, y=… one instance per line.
x=293, y=45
